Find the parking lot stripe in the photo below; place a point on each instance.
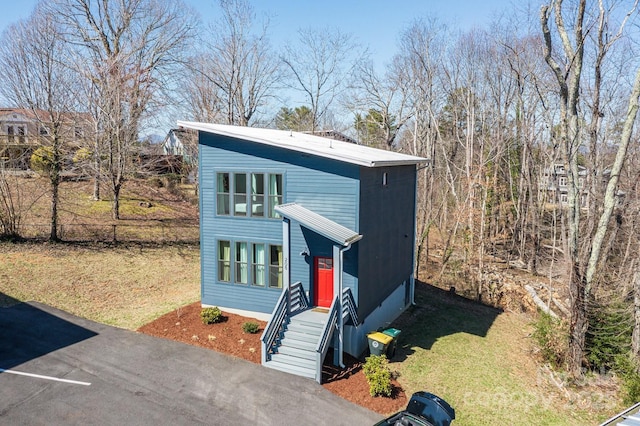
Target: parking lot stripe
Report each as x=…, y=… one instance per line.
x=38, y=376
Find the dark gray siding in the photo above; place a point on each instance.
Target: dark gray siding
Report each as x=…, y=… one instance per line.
x=387, y=216
x=328, y=187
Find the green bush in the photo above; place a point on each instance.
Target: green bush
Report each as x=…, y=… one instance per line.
x=551, y=335
x=609, y=335
x=211, y=315
x=250, y=327
x=42, y=160
x=627, y=368
x=376, y=370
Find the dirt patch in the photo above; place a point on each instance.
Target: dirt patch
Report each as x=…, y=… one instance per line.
x=184, y=325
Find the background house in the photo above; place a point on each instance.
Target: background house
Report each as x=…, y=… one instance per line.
x=313, y=234
x=22, y=131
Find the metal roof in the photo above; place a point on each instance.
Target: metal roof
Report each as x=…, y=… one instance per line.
x=310, y=144
x=318, y=223
x=629, y=417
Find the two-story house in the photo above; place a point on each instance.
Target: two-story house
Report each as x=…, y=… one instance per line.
x=22, y=131
x=314, y=235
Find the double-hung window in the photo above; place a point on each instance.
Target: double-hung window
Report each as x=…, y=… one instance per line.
x=275, y=266
x=224, y=260
x=275, y=194
x=257, y=195
x=240, y=194
x=242, y=263
x=258, y=265
x=223, y=188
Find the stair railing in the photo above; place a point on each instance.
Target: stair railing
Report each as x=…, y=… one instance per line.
x=349, y=306
x=291, y=300
x=325, y=337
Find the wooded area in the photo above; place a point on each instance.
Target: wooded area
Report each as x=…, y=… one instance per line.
x=530, y=127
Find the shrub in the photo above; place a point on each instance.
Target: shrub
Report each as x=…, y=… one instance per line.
x=211, y=315
x=627, y=367
x=250, y=327
x=376, y=370
x=551, y=335
x=609, y=335
x=42, y=160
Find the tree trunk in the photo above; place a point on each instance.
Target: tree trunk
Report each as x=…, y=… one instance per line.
x=115, y=206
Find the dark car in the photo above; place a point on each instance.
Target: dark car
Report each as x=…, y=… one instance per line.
x=424, y=409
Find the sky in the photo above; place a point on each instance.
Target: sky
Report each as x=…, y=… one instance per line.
x=375, y=24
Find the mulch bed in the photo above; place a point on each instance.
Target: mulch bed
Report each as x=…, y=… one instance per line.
x=184, y=325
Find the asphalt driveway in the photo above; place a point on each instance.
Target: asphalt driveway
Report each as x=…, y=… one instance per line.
x=59, y=369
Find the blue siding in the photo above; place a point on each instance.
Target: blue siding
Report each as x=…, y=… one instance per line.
x=387, y=222
x=328, y=187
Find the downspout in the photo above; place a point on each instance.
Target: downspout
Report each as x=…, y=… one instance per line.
x=340, y=318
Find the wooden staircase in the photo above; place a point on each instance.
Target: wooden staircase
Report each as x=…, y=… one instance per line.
x=296, y=338
x=295, y=353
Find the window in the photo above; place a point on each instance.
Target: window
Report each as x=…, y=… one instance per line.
x=562, y=181
x=224, y=261
x=242, y=265
x=240, y=194
x=275, y=266
x=275, y=194
x=258, y=265
x=78, y=132
x=249, y=194
x=257, y=194
x=385, y=177
x=10, y=133
x=563, y=198
x=44, y=131
x=22, y=132
x=223, y=188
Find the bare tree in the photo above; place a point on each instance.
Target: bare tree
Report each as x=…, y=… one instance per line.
x=568, y=69
x=235, y=75
x=129, y=49
x=381, y=103
x=32, y=55
x=319, y=66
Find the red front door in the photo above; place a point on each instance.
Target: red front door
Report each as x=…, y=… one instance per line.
x=323, y=294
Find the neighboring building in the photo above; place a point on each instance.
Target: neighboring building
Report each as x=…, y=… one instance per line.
x=22, y=131
x=554, y=182
x=315, y=235
x=178, y=141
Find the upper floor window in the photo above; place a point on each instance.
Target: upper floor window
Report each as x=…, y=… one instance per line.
x=250, y=195
x=275, y=194
x=222, y=191
x=562, y=181
x=78, y=132
x=44, y=131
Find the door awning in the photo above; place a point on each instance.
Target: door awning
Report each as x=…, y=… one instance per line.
x=318, y=223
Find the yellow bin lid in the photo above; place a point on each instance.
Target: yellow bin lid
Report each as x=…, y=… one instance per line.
x=385, y=339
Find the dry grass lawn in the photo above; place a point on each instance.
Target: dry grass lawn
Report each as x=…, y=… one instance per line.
x=124, y=285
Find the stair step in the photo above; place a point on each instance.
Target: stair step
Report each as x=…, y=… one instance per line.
x=310, y=322
x=300, y=353
x=294, y=360
x=292, y=369
x=299, y=344
x=296, y=335
x=305, y=328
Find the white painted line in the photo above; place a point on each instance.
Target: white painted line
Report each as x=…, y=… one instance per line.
x=38, y=376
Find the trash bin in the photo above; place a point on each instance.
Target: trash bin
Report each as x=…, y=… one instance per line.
x=395, y=334
x=378, y=343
